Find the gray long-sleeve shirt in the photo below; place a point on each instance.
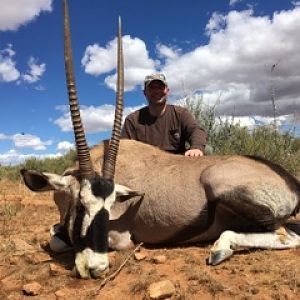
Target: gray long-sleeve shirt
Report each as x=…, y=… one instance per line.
x=169, y=132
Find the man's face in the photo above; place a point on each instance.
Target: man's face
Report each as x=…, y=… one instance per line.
x=156, y=92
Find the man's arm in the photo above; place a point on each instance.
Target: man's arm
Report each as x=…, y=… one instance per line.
x=195, y=135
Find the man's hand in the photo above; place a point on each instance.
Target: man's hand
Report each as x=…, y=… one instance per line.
x=193, y=152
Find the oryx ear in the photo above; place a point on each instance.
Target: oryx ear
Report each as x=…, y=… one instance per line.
x=124, y=193
x=40, y=181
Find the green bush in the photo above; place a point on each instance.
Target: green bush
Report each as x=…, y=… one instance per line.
x=265, y=141
x=53, y=165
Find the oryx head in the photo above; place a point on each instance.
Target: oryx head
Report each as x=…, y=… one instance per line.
x=96, y=194
x=93, y=194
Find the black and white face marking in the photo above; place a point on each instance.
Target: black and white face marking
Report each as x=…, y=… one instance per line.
x=95, y=195
x=90, y=228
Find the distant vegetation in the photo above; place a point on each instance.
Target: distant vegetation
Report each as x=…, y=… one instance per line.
x=224, y=138
x=263, y=141
x=52, y=165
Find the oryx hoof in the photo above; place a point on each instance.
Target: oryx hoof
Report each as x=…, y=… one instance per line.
x=59, y=246
x=216, y=257
x=97, y=274
x=82, y=274
x=59, y=241
x=92, y=273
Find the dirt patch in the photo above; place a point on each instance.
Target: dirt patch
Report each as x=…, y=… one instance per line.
x=25, y=258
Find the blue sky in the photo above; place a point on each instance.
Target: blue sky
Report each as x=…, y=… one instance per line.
x=223, y=50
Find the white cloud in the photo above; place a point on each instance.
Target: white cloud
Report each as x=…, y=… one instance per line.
x=216, y=23
x=62, y=108
x=95, y=119
x=99, y=60
x=235, y=65
x=13, y=157
x=14, y=13
x=167, y=52
x=8, y=71
x=296, y=3
x=29, y=141
x=40, y=88
x=252, y=122
x=234, y=2
x=3, y=136
x=64, y=146
x=35, y=71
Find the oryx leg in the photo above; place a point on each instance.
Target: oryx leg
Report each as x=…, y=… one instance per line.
x=59, y=241
x=120, y=240
x=59, y=237
x=282, y=238
x=121, y=216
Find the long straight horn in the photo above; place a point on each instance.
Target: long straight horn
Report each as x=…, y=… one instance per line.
x=111, y=156
x=83, y=155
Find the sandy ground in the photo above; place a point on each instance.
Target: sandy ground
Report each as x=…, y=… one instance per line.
x=25, y=258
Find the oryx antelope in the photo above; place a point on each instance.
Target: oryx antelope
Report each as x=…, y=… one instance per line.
x=162, y=198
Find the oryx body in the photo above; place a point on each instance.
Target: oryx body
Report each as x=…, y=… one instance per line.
x=184, y=197
x=182, y=200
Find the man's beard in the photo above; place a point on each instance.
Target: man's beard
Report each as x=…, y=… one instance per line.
x=161, y=101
